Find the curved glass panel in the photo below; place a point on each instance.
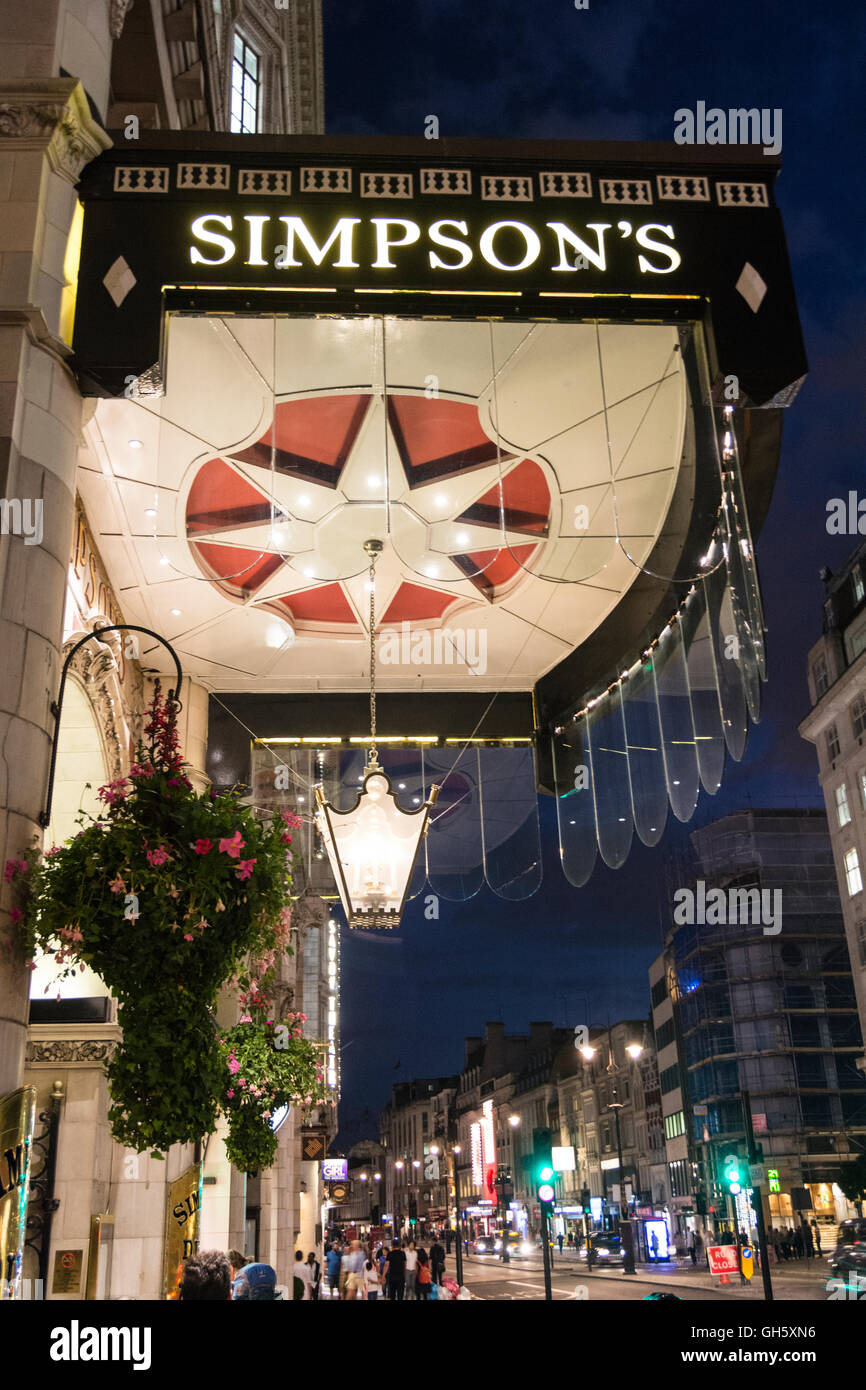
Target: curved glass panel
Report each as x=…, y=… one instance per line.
x=734, y=481
x=575, y=810
x=645, y=758
x=746, y=653
x=509, y=821
x=614, y=817
x=729, y=678
x=704, y=691
x=677, y=725
x=453, y=843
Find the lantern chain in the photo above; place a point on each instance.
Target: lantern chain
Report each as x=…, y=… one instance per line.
x=373, y=549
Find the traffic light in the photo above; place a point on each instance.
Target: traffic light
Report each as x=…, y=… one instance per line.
x=734, y=1173
x=586, y=1202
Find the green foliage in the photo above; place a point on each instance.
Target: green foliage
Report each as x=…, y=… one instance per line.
x=270, y=1065
x=167, y=896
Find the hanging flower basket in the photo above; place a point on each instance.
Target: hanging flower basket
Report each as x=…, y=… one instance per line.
x=166, y=895
x=269, y=1065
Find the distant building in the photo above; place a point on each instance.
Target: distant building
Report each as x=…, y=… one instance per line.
x=758, y=1005
x=837, y=727
x=414, y=1173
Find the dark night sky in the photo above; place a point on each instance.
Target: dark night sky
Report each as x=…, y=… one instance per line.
x=618, y=71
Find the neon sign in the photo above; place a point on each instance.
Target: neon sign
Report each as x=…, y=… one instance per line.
x=287, y=243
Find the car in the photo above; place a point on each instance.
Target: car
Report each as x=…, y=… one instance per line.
x=849, y=1273
x=849, y=1235
x=604, y=1250
x=485, y=1245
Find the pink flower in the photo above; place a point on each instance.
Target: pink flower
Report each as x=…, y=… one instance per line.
x=266, y=1114
x=246, y=1019
x=187, y=936
x=245, y=868
x=202, y=846
x=241, y=1082
x=158, y=857
x=142, y=770
x=49, y=853
x=16, y=914
x=117, y=885
x=233, y=846
x=234, y=1065
x=286, y=838
x=291, y=820
x=173, y=892
x=231, y=1093
x=113, y=791
x=13, y=867
x=220, y=907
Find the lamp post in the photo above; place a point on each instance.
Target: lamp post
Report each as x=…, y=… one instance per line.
x=455, y=1153
x=503, y=1175
x=634, y=1051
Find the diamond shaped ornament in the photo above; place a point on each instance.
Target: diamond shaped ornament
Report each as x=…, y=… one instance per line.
x=119, y=280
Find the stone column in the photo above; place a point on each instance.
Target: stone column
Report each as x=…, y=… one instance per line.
x=47, y=135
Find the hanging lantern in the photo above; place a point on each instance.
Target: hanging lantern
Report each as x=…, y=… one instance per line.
x=372, y=848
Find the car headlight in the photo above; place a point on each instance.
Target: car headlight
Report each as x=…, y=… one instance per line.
x=602, y=1250
x=497, y=1245
x=481, y=1245
x=526, y=1248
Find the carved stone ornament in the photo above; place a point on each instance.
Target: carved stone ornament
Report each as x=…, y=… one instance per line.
x=96, y=667
x=117, y=12
x=52, y=113
x=80, y=1050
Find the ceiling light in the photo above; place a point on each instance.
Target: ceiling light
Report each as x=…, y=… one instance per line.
x=135, y=443
x=175, y=612
x=401, y=786
x=462, y=537
x=440, y=500
x=432, y=571
x=373, y=480
x=416, y=800
x=163, y=559
x=276, y=635
x=303, y=500
x=308, y=571
x=300, y=800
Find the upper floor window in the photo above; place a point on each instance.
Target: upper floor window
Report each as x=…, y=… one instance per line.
x=842, y=810
x=858, y=716
x=832, y=739
x=863, y=789
x=857, y=585
x=852, y=873
x=246, y=88
x=820, y=676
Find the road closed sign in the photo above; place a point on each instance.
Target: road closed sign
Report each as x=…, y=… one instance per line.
x=723, y=1259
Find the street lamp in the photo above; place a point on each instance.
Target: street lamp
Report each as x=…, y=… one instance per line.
x=634, y=1051
x=505, y=1257
x=455, y=1153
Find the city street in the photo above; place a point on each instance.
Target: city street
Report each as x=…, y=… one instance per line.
x=524, y=1279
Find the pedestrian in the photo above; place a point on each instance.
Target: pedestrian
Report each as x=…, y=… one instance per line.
x=425, y=1276
x=334, y=1259
x=354, y=1264
x=237, y=1262
x=776, y=1235
x=316, y=1275
x=395, y=1273
x=206, y=1278
x=560, y=1240
x=255, y=1283
x=371, y=1281
x=411, y=1270
x=798, y=1242
x=570, y=1240
x=699, y=1246
x=437, y=1261
x=808, y=1239
x=817, y=1235
x=693, y=1249
x=301, y=1278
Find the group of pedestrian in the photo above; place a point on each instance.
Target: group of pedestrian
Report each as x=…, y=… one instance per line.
x=797, y=1242
x=214, y=1277
x=399, y=1272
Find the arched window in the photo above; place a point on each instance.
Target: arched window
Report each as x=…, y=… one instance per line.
x=245, y=116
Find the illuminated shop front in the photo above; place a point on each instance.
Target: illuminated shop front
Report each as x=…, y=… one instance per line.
x=547, y=380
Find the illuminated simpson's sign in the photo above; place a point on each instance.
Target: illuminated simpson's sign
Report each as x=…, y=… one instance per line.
x=375, y=243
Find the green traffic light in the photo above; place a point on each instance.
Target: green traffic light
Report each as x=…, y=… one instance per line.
x=545, y=1174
